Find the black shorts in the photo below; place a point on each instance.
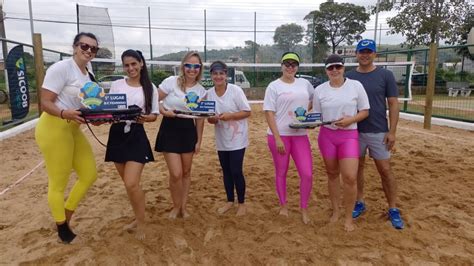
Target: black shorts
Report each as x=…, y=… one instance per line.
x=176, y=135
x=132, y=146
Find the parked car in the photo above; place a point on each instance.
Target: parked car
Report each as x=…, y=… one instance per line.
x=106, y=81
x=315, y=81
x=421, y=79
x=238, y=79
x=241, y=80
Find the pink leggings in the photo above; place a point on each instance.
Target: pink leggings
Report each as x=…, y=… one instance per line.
x=300, y=150
x=338, y=144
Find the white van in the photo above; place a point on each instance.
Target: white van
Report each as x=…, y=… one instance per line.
x=241, y=80
x=399, y=72
x=238, y=79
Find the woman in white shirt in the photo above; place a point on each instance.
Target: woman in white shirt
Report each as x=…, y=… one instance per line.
x=180, y=138
x=231, y=133
x=283, y=98
x=128, y=146
x=345, y=102
x=59, y=136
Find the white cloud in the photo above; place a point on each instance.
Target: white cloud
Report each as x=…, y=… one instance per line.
x=178, y=14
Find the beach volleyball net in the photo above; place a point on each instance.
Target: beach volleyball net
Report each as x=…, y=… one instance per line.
x=254, y=78
x=97, y=20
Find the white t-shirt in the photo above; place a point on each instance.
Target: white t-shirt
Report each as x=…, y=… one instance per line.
x=66, y=80
x=176, y=98
x=283, y=99
x=135, y=95
x=336, y=103
x=230, y=135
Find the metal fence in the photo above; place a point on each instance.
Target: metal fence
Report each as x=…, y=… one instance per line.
x=453, y=98
x=50, y=56
x=454, y=84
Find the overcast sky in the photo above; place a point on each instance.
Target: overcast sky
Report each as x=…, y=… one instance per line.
x=180, y=22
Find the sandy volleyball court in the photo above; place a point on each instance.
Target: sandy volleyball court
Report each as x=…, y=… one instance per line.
x=435, y=171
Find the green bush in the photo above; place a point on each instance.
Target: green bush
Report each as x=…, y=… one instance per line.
x=158, y=76
x=261, y=79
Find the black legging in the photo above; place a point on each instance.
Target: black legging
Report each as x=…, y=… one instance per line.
x=231, y=163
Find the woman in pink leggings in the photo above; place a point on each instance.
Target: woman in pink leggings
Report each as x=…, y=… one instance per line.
x=283, y=98
x=344, y=101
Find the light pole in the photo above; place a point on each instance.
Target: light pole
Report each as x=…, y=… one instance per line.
x=376, y=19
x=31, y=20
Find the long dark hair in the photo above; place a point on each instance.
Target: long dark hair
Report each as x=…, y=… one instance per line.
x=145, y=81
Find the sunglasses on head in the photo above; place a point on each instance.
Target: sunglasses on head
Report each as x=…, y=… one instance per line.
x=290, y=64
x=338, y=67
x=85, y=47
x=192, y=66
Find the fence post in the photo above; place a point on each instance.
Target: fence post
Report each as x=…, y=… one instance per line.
x=430, y=88
x=205, y=36
x=151, y=45
x=254, y=48
x=39, y=66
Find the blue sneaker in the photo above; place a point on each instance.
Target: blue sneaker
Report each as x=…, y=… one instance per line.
x=359, y=208
x=395, y=218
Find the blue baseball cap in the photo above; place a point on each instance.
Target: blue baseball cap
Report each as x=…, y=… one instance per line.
x=366, y=44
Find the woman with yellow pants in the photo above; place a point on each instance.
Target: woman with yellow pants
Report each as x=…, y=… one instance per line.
x=58, y=133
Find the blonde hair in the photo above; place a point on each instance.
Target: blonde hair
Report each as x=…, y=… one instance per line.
x=181, y=77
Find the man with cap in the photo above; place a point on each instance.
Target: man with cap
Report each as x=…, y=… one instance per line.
x=376, y=134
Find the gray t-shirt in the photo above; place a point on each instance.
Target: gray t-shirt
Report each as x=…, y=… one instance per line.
x=379, y=85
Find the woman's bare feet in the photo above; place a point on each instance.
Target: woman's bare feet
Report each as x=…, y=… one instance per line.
x=334, y=216
x=225, y=208
x=283, y=210
x=349, y=225
x=140, y=232
x=305, y=216
x=185, y=213
x=241, y=210
x=130, y=227
x=173, y=213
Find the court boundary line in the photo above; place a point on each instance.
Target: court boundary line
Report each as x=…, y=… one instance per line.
x=31, y=171
x=21, y=179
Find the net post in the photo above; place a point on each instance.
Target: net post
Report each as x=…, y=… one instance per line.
x=407, y=80
x=39, y=66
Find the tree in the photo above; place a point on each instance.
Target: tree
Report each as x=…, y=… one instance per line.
x=336, y=23
x=318, y=48
x=251, y=49
x=104, y=68
x=464, y=51
x=426, y=23
x=287, y=36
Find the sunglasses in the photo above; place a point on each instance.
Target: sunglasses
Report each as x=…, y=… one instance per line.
x=192, y=66
x=290, y=64
x=337, y=67
x=85, y=47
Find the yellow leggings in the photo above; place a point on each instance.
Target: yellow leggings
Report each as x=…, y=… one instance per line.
x=65, y=147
